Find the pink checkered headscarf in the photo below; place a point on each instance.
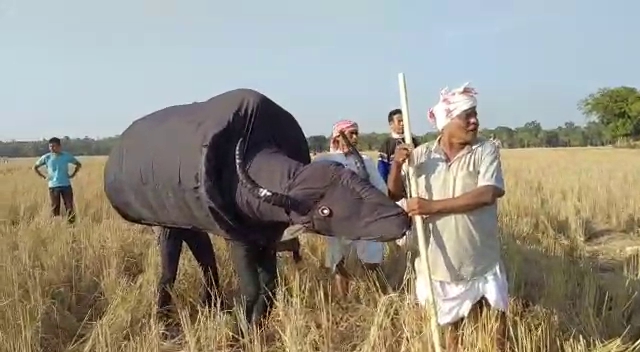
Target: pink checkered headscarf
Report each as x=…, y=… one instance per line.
x=342, y=125
x=451, y=104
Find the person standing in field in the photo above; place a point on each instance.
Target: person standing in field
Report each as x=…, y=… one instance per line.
x=59, y=180
x=459, y=181
x=387, y=150
x=371, y=253
x=388, y=147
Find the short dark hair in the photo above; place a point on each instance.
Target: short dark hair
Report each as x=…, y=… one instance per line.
x=54, y=140
x=393, y=113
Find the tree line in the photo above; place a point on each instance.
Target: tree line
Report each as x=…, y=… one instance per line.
x=613, y=118
x=531, y=135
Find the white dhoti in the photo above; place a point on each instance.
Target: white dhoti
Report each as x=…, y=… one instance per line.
x=454, y=300
x=369, y=252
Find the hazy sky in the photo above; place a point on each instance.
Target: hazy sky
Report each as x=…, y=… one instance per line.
x=79, y=67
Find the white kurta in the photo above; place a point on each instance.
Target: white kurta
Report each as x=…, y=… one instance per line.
x=369, y=252
x=464, y=250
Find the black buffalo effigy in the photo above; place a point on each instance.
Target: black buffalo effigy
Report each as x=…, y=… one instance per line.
x=238, y=166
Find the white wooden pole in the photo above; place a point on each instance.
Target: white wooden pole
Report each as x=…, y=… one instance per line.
x=418, y=220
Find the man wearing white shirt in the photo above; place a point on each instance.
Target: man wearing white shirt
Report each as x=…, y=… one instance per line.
x=459, y=180
x=370, y=253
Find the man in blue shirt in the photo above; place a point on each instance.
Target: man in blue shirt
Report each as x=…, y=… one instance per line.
x=388, y=147
x=58, y=177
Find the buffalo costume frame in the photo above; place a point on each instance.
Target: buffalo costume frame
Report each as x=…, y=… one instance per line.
x=191, y=183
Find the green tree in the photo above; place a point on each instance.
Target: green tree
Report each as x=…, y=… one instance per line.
x=617, y=109
x=318, y=143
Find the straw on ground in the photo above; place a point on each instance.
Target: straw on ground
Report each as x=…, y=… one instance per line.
x=569, y=226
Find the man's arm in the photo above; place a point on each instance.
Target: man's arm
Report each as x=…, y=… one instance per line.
x=470, y=201
x=36, y=167
x=399, y=169
x=395, y=182
x=398, y=172
x=77, y=165
x=490, y=187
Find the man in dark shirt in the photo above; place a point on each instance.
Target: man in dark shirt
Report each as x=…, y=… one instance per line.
x=388, y=147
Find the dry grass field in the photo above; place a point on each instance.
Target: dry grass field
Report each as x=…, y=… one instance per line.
x=569, y=222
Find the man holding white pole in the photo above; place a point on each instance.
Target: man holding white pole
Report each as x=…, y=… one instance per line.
x=459, y=179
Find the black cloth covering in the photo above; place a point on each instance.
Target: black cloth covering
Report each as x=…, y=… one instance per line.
x=176, y=167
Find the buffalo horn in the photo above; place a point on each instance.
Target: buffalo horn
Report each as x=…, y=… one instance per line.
x=274, y=198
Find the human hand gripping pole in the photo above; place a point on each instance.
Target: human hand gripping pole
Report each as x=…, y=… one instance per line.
x=411, y=191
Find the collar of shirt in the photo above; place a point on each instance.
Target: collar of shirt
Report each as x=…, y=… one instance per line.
x=436, y=149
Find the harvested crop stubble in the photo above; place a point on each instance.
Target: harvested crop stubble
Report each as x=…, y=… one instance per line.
x=567, y=222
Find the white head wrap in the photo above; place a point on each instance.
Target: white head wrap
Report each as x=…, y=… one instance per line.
x=451, y=104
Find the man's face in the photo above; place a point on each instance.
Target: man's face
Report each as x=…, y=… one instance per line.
x=352, y=136
x=464, y=127
x=54, y=147
x=397, y=126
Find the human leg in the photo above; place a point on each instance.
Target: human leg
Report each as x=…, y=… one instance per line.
x=268, y=274
x=484, y=307
x=67, y=198
x=496, y=296
x=452, y=336
x=54, y=197
x=245, y=263
x=335, y=261
x=456, y=301
x=170, y=242
x=453, y=330
x=371, y=255
x=202, y=249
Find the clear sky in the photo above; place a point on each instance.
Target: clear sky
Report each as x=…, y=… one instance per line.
x=79, y=67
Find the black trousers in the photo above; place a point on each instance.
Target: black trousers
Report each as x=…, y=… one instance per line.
x=66, y=194
x=170, y=240
x=256, y=267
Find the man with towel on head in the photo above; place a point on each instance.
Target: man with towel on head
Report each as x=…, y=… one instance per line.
x=459, y=181
x=370, y=253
